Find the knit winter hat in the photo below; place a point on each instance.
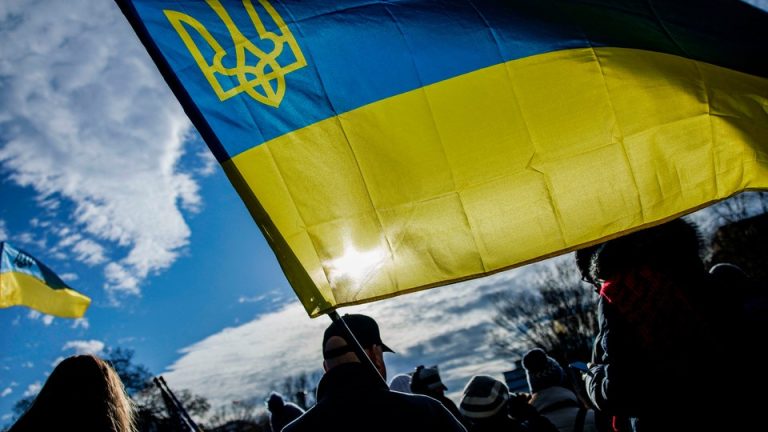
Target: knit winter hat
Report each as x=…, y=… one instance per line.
x=542, y=371
x=483, y=397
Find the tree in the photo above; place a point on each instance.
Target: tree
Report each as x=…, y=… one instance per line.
x=558, y=315
x=135, y=377
x=239, y=416
x=741, y=206
x=151, y=407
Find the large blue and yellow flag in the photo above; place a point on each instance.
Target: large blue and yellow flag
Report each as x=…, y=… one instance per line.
x=25, y=281
x=390, y=146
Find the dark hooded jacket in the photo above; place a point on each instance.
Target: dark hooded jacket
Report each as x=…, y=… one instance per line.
x=658, y=327
x=352, y=398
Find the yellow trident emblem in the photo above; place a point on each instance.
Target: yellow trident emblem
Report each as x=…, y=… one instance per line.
x=264, y=81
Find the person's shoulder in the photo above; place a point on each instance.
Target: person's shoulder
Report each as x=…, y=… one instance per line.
x=410, y=398
x=300, y=423
x=417, y=405
x=293, y=408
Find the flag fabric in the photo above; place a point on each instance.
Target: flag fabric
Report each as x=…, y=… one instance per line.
x=25, y=281
x=389, y=146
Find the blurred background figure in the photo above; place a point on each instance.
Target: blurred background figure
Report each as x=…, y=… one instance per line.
x=426, y=381
x=401, y=383
x=484, y=406
x=281, y=412
x=551, y=397
x=82, y=393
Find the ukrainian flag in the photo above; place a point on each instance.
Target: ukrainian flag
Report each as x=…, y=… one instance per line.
x=25, y=281
x=389, y=146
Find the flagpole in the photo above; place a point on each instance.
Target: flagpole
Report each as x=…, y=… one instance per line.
x=356, y=347
x=181, y=411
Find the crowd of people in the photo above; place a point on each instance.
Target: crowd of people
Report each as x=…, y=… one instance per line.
x=662, y=315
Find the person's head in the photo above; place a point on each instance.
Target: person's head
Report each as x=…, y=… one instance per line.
x=583, y=259
x=672, y=248
x=519, y=406
x=82, y=393
x=401, y=383
x=337, y=350
x=542, y=371
x=426, y=380
x=275, y=402
x=484, y=399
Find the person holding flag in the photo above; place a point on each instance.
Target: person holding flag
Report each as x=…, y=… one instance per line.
x=351, y=397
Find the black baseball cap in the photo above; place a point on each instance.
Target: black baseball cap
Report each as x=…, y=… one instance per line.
x=364, y=328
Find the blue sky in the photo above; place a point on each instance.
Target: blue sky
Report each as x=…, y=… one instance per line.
x=103, y=178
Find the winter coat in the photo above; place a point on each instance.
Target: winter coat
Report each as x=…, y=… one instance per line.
x=352, y=398
x=501, y=423
x=657, y=390
x=561, y=406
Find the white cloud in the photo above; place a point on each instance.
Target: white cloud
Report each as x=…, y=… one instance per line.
x=6, y=417
x=209, y=163
x=89, y=252
x=44, y=318
x=28, y=365
x=3, y=231
x=81, y=323
x=92, y=346
x=33, y=389
x=8, y=390
x=762, y=4
x=85, y=117
x=69, y=277
x=255, y=299
x=446, y=326
x=120, y=280
x=28, y=238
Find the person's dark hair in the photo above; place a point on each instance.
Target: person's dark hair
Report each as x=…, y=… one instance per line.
x=82, y=393
x=673, y=247
x=584, y=262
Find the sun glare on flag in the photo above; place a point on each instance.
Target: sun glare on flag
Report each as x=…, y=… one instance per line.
x=354, y=267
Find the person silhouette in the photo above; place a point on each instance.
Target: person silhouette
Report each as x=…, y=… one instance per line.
x=82, y=393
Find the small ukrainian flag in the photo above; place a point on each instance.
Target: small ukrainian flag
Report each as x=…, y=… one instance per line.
x=25, y=281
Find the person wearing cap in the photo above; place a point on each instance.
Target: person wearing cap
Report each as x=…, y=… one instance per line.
x=351, y=396
x=426, y=381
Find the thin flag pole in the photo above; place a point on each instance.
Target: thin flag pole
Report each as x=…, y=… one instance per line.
x=181, y=411
x=356, y=347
